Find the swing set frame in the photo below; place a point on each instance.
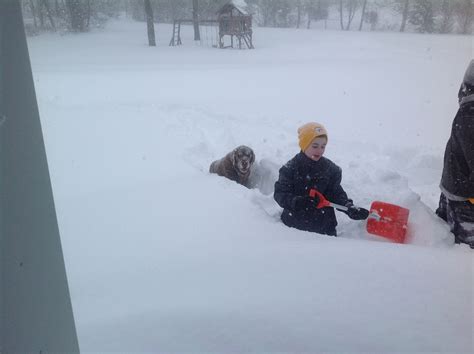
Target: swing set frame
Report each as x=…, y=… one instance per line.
x=176, y=36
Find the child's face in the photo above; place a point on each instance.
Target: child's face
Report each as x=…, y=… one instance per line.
x=316, y=149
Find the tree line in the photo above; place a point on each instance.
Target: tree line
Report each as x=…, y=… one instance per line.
x=71, y=15
x=424, y=16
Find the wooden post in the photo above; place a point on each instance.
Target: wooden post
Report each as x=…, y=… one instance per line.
x=35, y=305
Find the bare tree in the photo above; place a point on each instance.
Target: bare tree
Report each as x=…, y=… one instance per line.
x=89, y=12
x=447, y=16
x=422, y=16
x=33, y=12
x=316, y=10
x=76, y=15
x=283, y=11
x=275, y=12
x=341, y=10
x=197, y=34
x=310, y=11
x=56, y=8
x=362, y=16
x=373, y=19
x=149, y=23
x=39, y=9
x=464, y=12
x=405, y=13
x=298, y=13
x=351, y=6
x=264, y=7
x=46, y=6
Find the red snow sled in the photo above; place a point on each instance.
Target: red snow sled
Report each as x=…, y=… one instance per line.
x=386, y=220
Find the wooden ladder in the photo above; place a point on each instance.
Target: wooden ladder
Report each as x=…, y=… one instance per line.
x=176, y=37
x=248, y=41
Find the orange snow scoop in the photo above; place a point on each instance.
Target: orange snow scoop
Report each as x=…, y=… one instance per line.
x=391, y=221
x=386, y=220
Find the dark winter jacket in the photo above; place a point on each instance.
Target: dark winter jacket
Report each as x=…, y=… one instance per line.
x=458, y=172
x=297, y=178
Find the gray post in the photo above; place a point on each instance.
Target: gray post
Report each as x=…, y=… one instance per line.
x=35, y=313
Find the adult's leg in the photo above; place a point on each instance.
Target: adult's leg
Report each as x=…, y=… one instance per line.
x=461, y=221
x=442, y=210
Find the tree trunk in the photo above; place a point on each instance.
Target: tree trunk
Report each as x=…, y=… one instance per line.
x=263, y=15
x=406, y=7
x=76, y=15
x=197, y=34
x=363, y=15
x=173, y=9
x=298, y=18
x=341, y=11
x=467, y=16
x=40, y=13
x=447, y=15
x=150, y=24
x=88, y=19
x=48, y=12
x=33, y=13
x=351, y=13
x=56, y=9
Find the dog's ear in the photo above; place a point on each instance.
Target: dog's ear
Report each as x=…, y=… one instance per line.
x=233, y=157
x=252, y=157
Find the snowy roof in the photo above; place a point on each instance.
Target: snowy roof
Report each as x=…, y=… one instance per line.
x=469, y=75
x=240, y=5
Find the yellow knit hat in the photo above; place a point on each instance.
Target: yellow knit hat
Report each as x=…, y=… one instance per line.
x=308, y=132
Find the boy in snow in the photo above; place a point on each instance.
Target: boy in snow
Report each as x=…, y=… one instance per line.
x=310, y=170
x=456, y=204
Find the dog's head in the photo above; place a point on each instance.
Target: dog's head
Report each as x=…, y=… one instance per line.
x=242, y=158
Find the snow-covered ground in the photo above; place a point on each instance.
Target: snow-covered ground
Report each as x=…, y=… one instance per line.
x=164, y=257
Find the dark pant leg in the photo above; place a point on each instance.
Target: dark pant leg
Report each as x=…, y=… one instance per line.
x=461, y=220
x=442, y=210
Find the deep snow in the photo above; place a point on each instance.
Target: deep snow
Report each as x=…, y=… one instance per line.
x=162, y=256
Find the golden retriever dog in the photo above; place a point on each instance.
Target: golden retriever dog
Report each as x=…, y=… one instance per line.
x=235, y=165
